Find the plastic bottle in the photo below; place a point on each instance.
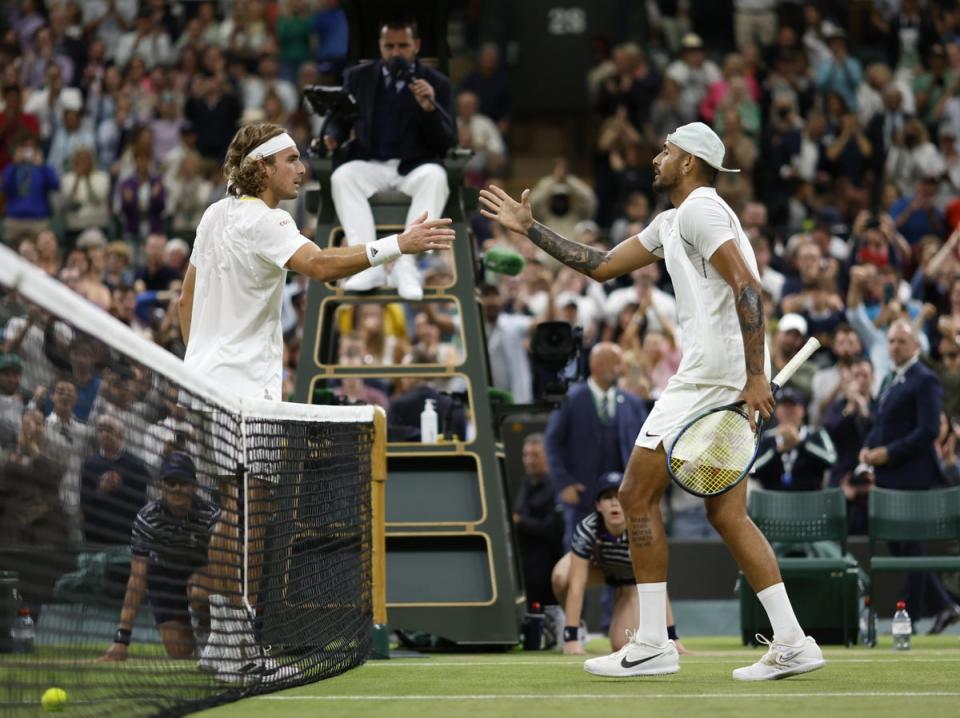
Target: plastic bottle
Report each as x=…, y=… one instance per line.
x=901, y=628
x=428, y=423
x=533, y=628
x=868, y=626
x=23, y=633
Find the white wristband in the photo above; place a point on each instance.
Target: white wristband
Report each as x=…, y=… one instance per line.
x=383, y=250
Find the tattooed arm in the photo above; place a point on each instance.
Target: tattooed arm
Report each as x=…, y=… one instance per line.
x=597, y=264
x=729, y=262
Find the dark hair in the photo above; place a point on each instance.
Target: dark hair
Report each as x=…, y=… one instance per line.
x=489, y=290
x=401, y=23
x=248, y=177
x=707, y=172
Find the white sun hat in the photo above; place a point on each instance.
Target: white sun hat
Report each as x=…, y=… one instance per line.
x=700, y=141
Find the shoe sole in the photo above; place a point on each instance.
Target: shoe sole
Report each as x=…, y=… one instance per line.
x=638, y=674
x=804, y=668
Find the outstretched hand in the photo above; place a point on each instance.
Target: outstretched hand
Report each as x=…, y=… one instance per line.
x=501, y=207
x=425, y=234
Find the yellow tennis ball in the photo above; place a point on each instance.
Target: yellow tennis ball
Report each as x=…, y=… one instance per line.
x=54, y=699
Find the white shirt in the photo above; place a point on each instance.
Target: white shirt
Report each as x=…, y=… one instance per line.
x=240, y=255
x=686, y=238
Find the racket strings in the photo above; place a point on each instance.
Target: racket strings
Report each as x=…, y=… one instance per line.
x=713, y=453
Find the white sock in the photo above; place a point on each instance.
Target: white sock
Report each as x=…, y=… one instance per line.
x=653, y=613
x=786, y=628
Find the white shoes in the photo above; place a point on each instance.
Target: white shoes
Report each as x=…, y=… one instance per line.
x=406, y=279
x=372, y=278
x=255, y=671
x=782, y=660
x=636, y=659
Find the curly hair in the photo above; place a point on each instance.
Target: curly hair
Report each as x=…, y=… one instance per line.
x=248, y=177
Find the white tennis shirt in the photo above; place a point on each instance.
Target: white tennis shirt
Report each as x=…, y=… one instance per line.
x=240, y=255
x=686, y=239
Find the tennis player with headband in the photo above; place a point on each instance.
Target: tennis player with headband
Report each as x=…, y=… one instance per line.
x=715, y=279
x=230, y=318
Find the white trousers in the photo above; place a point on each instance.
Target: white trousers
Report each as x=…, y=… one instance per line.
x=353, y=183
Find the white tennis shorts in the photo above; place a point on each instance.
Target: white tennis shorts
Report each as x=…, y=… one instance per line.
x=679, y=403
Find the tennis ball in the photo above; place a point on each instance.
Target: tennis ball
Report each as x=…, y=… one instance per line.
x=54, y=699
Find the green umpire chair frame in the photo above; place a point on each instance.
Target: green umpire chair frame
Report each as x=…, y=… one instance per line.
x=913, y=516
x=822, y=588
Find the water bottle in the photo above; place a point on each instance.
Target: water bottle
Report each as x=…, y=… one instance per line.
x=23, y=632
x=428, y=423
x=902, y=628
x=533, y=628
x=868, y=626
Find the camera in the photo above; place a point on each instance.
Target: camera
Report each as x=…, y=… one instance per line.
x=556, y=347
x=336, y=102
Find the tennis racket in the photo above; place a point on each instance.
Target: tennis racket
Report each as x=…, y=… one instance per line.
x=716, y=449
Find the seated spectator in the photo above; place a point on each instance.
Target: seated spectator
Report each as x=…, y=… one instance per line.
x=793, y=456
x=27, y=184
x=113, y=486
x=14, y=122
x=792, y=332
x=912, y=157
x=187, y=195
x=839, y=73
x=946, y=447
x=176, y=255
x=917, y=215
x=771, y=280
x=635, y=216
x=562, y=199
x=13, y=398
x=826, y=386
x=117, y=269
x=671, y=109
x=693, y=72
x=86, y=194
x=213, y=114
x=70, y=134
x=154, y=274
x=142, y=199
x=480, y=134
x=630, y=86
x=29, y=335
x=146, y=40
x=736, y=187
x=48, y=253
x=490, y=82
x=948, y=371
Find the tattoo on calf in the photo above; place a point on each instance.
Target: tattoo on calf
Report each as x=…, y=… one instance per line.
x=575, y=255
x=750, y=314
x=641, y=532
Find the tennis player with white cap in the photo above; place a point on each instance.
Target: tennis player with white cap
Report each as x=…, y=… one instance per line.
x=716, y=282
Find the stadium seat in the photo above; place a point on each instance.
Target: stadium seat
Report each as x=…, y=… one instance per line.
x=913, y=516
x=808, y=530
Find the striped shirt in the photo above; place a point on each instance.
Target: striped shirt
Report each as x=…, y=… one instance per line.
x=611, y=554
x=172, y=542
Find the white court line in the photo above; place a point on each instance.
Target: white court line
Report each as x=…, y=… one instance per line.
x=618, y=696
x=402, y=663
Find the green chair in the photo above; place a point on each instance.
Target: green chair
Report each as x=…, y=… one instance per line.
x=808, y=530
x=913, y=516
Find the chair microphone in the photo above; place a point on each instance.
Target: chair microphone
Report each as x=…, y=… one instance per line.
x=503, y=261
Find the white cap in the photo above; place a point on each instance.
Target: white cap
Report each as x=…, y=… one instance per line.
x=71, y=99
x=792, y=322
x=700, y=141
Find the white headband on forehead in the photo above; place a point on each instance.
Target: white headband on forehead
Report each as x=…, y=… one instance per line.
x=271, y=147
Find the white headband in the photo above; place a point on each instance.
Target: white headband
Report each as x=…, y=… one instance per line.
x=271, y=147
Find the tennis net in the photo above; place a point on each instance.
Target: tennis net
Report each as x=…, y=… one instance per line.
x=165, y=546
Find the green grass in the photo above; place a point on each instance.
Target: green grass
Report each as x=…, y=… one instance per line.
x=856, y=682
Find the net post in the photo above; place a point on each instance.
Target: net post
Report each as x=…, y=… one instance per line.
x=378, y=476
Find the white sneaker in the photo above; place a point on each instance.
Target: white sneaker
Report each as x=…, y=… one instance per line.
x=257, y=670
x=782, y=660
x=372, y=278
x=406, y=279
x=636, y=659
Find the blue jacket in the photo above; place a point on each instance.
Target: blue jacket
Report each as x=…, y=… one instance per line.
x=572, y=440
x=27, y=187
x=907, y=421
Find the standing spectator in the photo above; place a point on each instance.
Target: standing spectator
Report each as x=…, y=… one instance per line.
x=27, y=184
x=12, y=400
x=631, y=85
x=213, y=114
x=900, y=449
x=948, y=371
x=608, y=417
x=86, y=194
x=113, y=486
x=294, y=27
x=826, y=385
x=70, y=135
x=14, y=122
x=47, y=103
x=67, y=438
x=693, y=72
x=841, y=73
x=912, y=157
x=332, y=37
x=266, y=80
x=793, y=456
x=506, y=346
x=539, y=520
x=934, y=87
x=107, y=20
x=563, y=199
x=187, y=193
x=791, y=336
x=490, y=82
x=147, y=40
x=917, y=215
x=754, y=21
x=479, y=133
x=404, y=130
x=142, y=199
x=885, y=129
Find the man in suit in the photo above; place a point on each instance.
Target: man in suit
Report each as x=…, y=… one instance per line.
x=403, y=132
x=900, y=448
x=592, y=434
x=793, y=456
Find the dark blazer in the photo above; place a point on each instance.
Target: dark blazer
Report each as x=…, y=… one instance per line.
x=572, y=438
x=427, y=136
x=907, y=421
x=815, y=454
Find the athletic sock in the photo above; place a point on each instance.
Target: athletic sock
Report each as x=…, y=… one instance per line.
x=786, y=628
x=653, y=613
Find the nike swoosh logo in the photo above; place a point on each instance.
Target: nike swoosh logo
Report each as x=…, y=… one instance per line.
x=630, y=664
x=652, y=436
x=784, y=658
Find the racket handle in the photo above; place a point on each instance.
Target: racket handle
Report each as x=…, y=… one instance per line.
x=790, y=368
